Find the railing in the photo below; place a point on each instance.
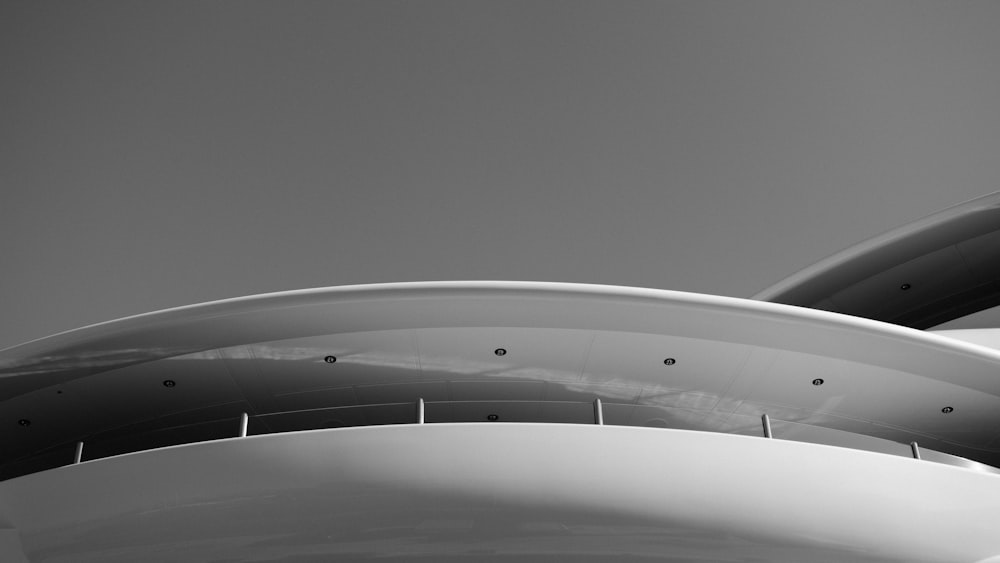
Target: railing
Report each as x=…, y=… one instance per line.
x=429, y=412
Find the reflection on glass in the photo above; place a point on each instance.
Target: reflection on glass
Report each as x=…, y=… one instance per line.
x=185, y=429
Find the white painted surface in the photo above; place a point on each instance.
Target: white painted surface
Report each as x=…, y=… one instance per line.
x=451, y=492
x=989, y=337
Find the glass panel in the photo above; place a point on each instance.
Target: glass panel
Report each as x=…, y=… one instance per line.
x=340, y=417
x=123, y=441
x=556, y=412
x=152, y=434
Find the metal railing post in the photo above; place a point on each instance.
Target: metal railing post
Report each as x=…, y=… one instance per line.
x=420, y=411
x=598, y=412
x=78, y=456
x=915, y=449
x=766, y=420
x=244, y=422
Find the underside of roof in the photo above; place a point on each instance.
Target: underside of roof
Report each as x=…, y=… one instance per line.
x=517, y=351
x=920, y=275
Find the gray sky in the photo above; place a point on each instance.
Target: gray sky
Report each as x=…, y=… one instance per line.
x=156, y=154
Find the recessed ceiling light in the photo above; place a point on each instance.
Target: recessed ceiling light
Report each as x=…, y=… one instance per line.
x=330, y=359
x=669, y=361
x=947, y=410
x=24, y=422
x=169, y=383
x=905, y=286
x=493, y=417
x=817, y=381
x=500, y=352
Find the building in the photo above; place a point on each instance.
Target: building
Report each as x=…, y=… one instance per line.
x=495, y=421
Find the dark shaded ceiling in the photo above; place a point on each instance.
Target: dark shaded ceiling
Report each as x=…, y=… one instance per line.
x=920, y=275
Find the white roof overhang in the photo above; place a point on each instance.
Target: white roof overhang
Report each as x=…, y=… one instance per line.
x=735, y=359
x=933, y=270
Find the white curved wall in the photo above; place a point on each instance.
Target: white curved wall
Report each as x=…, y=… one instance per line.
x=989, y=337
x=475, y=491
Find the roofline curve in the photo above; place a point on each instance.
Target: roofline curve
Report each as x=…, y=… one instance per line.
x=919, y=238
x=245, y=320
x=304, y=297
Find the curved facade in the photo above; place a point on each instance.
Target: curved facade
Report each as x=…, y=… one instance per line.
x=499, y=420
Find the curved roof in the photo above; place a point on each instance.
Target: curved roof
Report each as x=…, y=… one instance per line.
x=525, y=351
x=930, y=271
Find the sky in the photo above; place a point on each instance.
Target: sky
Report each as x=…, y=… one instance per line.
x=158, y=154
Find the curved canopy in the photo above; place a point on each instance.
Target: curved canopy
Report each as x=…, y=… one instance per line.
x=925, y=273
x=522, y=351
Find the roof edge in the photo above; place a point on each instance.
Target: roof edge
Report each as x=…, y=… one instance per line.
x=861, y=261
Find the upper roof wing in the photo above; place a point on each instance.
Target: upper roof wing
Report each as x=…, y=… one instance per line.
x=922, y=274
